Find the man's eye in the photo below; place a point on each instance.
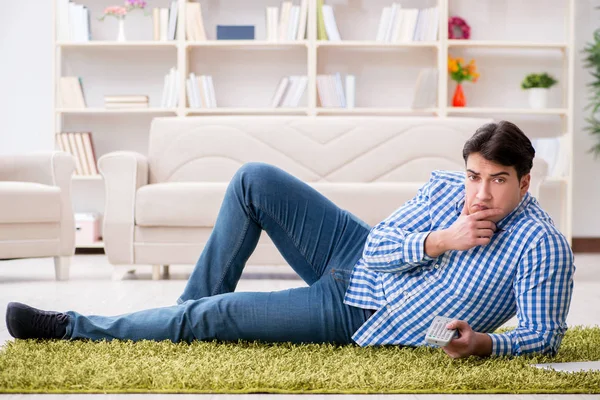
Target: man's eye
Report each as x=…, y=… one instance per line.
x=500, y=180
x=472, y=177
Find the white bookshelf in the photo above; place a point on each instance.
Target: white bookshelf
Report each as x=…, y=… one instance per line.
x=508, y=40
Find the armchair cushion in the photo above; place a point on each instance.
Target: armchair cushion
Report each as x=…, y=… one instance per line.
x=25, y=202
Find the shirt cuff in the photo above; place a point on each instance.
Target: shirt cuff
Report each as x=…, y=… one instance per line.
x=501, y=344
x=414, y=248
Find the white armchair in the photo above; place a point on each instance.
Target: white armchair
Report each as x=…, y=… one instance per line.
x=36, y=214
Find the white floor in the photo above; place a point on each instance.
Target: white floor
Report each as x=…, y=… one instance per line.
x=93, y=289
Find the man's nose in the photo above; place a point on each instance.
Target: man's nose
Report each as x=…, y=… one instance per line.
x=484, y=192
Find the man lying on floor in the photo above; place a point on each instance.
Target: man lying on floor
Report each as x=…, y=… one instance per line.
x=475, y=247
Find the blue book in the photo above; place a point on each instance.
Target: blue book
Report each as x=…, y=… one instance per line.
x=235, y=32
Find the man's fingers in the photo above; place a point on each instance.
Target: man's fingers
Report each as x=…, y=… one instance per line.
x=485, y=214
x=464, y=210
x=486, y=233
x=485, y=225
x=483, y=241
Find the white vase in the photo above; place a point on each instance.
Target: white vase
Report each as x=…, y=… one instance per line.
x=538, y=97
x=121, y=36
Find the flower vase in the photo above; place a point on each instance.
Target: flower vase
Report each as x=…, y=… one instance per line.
x=458, y=100
x=121, y=36
x=538, y=98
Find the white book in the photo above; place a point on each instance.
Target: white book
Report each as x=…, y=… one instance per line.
x=77, y=92
x=72, y=22
x=294, y=20
x=412, y=23
x=75, y=153
x=174, y=88
x=320, y=90
x=164, y=23
x=301, y=34
x=62, y=21
x=195, y=91
x=350, y=91
x=330, y=25
x=172, y=20
x=383, y=23
x=86, y=25
x=420, y=26
x=271, y=18
x=425, y=92
x=284, y=17
x=435, y=23
x=205, y=91
x=81, y=152
x=332, y=92
x=339, y=87
x=190, y=93
x=300, y=88
x=397, y=28
x=211, y=91
x=199, y=23
x=391, y=22
x=287, y=99
x=89, y=151
x=190, y=26
x=279, y=92
x=163, y=99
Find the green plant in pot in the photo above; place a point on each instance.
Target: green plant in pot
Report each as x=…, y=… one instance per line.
x=537, y=85
x=592, y=61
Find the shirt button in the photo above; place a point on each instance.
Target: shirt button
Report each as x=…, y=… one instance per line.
x=437, y=266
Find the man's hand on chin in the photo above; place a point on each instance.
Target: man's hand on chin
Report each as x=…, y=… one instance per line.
x=468, y=343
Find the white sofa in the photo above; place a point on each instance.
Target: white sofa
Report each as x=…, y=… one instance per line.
x=160, y=209
x=36, y=215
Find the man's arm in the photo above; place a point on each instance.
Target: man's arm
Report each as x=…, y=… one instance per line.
x=543, y=287
x=398, y=243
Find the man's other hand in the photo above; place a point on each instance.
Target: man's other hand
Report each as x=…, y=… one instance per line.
x=468, y=343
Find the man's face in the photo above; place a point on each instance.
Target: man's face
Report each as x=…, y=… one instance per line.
x=491, y=185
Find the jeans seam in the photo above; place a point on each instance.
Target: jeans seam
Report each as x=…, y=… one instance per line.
x=234, y=254
x=288, y=234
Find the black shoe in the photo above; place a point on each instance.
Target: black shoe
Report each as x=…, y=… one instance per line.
x=24, y=322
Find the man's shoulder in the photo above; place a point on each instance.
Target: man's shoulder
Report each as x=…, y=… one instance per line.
x=537, y=224
x=454, y=178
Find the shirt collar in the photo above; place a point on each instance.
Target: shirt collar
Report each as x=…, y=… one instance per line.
x=505, y=223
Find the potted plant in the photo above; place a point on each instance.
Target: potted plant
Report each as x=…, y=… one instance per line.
x=592, y=61
x=460, y=72
x=538, y=85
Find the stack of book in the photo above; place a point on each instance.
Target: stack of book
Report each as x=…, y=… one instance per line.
x=70, y=92
x=165, y=22
x=194, y=24
x=170, y=94
x=80, y=145
x=406, y=25
x=332, y=93
x=426, y=89
x=125, y=101
x=326, y=26
x=72, y=22
x=201, y=91
x=289, y=24
x=289, y=91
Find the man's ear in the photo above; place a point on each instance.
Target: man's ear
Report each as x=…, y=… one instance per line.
x=524, y=184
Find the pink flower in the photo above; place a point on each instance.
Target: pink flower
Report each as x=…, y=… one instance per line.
x=135, y=4
x=116, y=11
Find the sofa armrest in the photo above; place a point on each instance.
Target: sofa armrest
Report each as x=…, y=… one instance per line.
x=124, y=173
x=53, y=168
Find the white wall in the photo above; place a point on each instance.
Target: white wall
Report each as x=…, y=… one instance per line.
x=26, y=117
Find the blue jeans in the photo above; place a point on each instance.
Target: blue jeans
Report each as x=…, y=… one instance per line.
x=320, y=241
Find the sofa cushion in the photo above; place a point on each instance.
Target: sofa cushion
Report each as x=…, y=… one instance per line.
x=194, y=204
x=24, y=202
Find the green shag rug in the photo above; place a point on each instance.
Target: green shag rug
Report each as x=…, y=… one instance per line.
x=29, y=366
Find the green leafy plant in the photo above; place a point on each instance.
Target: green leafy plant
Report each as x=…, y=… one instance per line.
x=592, y=61
x=542, y=80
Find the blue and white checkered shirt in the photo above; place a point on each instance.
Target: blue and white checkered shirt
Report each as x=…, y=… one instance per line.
x=527, y=269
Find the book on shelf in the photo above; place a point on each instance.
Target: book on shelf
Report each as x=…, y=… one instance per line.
x=70, y=92
x=200, y=91
x=331, y=91
x=289, y=24
x=321, y=31
x=289, y=91
x=194, y=23
x=81, y=147
x=125, y=101
x=426, y=89
x=401, y=25
x=72, y=22
x=164, y=22
x=170, y=93
x=330, y=25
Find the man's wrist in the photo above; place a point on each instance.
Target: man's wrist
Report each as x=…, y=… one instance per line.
x=483, y=345
x=436, y=244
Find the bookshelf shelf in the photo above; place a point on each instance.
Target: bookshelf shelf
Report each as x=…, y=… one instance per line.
x=115, y=44
x=503, y=111
x=506, y=42
x=84, y=111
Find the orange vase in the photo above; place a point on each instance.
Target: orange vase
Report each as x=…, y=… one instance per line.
x=459, y=97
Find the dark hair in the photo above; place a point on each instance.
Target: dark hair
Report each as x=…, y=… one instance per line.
x=503, y=143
